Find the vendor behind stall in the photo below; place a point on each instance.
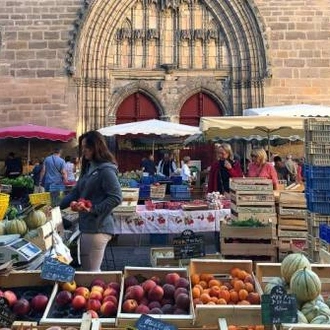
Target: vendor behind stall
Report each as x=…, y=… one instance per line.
x=166, y=167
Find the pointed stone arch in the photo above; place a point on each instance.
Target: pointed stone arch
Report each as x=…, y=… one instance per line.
x=243, y=34
x=119, y=95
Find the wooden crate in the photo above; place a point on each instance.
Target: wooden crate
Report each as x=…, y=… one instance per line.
x=248, y=241
x=291, y=232
x=82, y=279
x=209, y=314
x=243, y=321
x=251, y=184
x=285, y=243
x=265, y=218
x=252, y=209
x=266, y=271
x=129, y=319
x=252, y=198
x=295, y=212
x=163, y=257
x=292, y=222
x=292, y=199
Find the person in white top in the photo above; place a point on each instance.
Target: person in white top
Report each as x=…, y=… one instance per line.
x=70, y=169
x=185, y=170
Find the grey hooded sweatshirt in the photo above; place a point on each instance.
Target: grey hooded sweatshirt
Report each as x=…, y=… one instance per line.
x=101, y=186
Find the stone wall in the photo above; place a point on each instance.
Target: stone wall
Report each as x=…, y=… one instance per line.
x=34, y=40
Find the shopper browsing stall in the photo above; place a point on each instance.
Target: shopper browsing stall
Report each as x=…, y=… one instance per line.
x=98, y=183
x=260, y=168
x=223, y=169
x=185, y=170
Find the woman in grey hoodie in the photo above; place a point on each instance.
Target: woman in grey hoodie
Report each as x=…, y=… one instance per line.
x=98, y=183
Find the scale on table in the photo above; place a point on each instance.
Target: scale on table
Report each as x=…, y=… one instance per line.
x=12, y=247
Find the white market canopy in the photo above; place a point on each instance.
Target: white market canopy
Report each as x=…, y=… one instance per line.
x=250, y=127
x=150, y=127
x=298, y=110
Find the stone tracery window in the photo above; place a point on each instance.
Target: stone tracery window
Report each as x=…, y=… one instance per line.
x=182, y=33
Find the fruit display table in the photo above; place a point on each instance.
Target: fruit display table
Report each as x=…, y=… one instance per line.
x=162, y=221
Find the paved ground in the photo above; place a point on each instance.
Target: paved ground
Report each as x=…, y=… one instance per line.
x=134, y=250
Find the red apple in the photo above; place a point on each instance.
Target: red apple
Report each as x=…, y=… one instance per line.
x=182, y=283
x=169, y=290
x=21, y=307
x=93, y=304
x=129, y=306
x=130, y=281
x=10, y=296
x=96, y=295
x=110, y=298
x=78, y=302
x=82, y=291
x=93, y=314
x=63, y=298
x=182, y=301
x=110, y=292
x=135, y=292
x=69, y=286
x=39, y=302
x=97, y=288
x=114, y=285
x=142, y=309
x=99, y=282
x=171, y=278
x=108, y=308
x=156, y=293
x=148, y=285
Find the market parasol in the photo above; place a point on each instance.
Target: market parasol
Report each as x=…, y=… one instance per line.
x=153, y=127
x=297, y=110
x=249, y=127
x=30, y=131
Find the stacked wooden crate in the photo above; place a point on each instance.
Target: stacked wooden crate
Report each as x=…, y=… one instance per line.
x=251, y=199
x=292, y=226
x=317, y=173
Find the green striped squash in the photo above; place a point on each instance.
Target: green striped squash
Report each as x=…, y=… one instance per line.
x=305, y=284
x=321, y=319
x=301, y=317
x=16, y=226
x=314, y=308
x=275, y=281
x=291, y=263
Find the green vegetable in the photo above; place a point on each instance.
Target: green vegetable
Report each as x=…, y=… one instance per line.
x=23, y=181
x=12, y=213
x=251, y=222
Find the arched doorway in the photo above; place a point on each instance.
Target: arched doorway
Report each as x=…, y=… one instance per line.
x=136, y=107
x=199, y=105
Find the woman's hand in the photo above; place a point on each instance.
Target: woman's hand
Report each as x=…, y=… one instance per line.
x=227, y=165
x=82, y=205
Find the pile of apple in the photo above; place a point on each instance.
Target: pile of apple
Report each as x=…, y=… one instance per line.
x=154, y=296
x=27, y=304
x=238, y=288
x=100, y=299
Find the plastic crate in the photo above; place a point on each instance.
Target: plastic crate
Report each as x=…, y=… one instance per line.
x=317, y=177
x=318, y=201
x=148, y=179
x=318, y=160
x=4, y=203
x=40, y=198
x=318, y=136
x=177, y=179
x=180, y=192
x=144, y=191
x=317, y=124
x=314, y=148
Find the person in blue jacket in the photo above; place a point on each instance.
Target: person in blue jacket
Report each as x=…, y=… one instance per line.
x=98, y=183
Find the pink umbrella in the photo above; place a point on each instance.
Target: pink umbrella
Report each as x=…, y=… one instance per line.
x=30, y=131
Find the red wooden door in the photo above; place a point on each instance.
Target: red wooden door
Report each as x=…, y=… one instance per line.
x=136, y=107
x=197, y=106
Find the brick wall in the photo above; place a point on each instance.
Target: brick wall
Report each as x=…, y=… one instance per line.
x=299, y=45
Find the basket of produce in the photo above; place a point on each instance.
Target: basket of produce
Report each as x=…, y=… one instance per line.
x=21, y=186
x=4, y=203
x=40, y=198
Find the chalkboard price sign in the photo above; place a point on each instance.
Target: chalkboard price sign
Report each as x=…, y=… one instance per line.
x=54, y=270
x=278, y=307
x=7, y=317
x=146, y=322
x=188, y=245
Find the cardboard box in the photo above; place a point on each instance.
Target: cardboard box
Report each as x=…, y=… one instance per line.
x=209, y=314
x=82, y=279
x=129, y=319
